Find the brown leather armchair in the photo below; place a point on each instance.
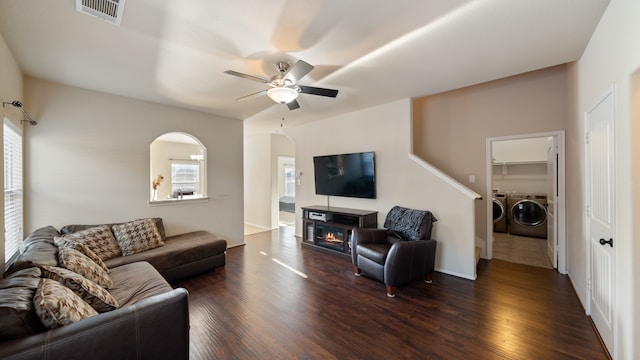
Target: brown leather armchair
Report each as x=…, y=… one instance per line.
x=400, y=253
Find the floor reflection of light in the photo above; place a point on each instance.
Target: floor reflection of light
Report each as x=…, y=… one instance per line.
x=299, y=273
x=509, y=330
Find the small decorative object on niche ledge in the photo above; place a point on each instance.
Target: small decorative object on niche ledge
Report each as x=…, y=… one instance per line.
x=155, y=183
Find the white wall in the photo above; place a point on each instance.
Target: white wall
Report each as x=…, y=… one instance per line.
x=88, y=161
x=520, y=150
x=611, y=57
x=386, y=130
x=520, y=178
x=450, y=129
x=10, y=90
x=257, y=180
x=261, y=151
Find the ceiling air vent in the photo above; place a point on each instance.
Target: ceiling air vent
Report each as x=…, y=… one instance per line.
x=107, y=10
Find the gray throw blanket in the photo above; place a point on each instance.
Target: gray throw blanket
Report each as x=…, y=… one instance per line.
x=410, y=224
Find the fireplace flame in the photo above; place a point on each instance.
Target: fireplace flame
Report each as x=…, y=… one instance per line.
x=330, y=237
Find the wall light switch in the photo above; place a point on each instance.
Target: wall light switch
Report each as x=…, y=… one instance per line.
x=472, y=179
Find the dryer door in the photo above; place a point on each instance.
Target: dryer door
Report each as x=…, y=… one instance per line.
x=528, y=213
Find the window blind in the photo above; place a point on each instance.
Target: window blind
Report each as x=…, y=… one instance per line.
x=12, y=190
x=185, y=177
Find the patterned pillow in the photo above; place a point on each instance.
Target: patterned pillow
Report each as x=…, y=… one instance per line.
x=75, y=261
x=57, y=306
x=99, y=239
x=75, y=245
x=137, y=236
x=92, y=293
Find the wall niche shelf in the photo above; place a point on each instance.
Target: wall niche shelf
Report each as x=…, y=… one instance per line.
x=328, y=229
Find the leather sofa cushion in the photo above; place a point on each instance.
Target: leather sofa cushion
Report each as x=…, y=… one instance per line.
x=17, y=314
x=374, y=252
x=22, y=278
x=177, y=250
x=39, y=250
x=135, y=282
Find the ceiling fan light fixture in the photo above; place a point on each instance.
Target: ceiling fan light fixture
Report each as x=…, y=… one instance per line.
x=282, y=95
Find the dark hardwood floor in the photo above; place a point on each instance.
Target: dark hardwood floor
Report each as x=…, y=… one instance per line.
x=274, y=300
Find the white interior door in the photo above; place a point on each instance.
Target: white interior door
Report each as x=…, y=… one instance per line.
x=600, y=216
x=552, y=196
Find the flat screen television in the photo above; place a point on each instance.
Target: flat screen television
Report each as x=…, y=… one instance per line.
x=351, y=175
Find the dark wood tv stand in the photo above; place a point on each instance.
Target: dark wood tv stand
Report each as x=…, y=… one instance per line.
x=328, y=229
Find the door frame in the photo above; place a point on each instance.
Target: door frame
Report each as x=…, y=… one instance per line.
x=561, y=235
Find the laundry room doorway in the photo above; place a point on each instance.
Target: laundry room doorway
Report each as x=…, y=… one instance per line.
x=526, y=217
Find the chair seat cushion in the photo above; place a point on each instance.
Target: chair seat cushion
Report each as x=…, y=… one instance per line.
x=374, y=252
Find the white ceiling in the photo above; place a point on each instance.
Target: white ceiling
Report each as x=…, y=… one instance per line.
x=373, y=52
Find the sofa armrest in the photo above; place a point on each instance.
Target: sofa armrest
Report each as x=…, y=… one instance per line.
x=365, y=236
x=409, y=260
x=153, y=328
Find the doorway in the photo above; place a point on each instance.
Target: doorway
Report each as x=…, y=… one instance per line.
x=525, y=174
x=286, y=190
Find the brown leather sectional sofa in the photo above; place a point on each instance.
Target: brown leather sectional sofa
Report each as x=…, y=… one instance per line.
x=152, y=321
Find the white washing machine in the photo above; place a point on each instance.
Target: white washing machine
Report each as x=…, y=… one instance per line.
x=528, y=215
x=500, y=212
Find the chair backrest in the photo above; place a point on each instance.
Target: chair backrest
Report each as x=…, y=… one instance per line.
x=410, y=224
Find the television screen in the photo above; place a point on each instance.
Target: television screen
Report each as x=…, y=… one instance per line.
x=351, y=175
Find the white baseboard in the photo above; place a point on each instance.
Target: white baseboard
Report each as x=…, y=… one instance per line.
x=464, y=276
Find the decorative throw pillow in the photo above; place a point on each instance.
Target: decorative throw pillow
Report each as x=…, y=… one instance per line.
x=69, y=229
x=92, y=293
x=137, y=236
x=84, y=249
x=99, y=239
x=75, y=261
x=57, y=306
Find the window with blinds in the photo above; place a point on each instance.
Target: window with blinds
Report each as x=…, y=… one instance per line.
x=12, y=190
x=185, y=178
x=289, y=180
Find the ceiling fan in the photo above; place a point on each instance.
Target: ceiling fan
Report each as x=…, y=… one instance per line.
x=284, y=86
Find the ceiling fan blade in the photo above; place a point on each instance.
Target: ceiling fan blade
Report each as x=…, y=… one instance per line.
x=298, y=71
x=245, y=76
x=318, y=91
x=251, y=96
x=292, y=105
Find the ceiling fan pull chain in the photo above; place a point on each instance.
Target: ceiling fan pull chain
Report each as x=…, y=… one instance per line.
x=282, y=113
